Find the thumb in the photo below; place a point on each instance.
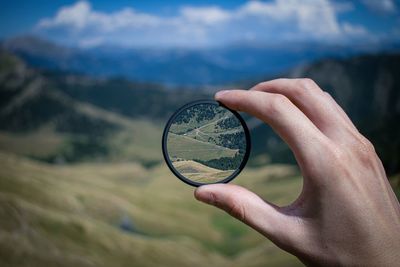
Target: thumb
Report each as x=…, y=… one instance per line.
x=246, y=206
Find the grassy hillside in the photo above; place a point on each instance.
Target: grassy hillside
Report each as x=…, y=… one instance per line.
x=125, y=215
x=83, y=114
x=108, y=200
x=178, y=148
x=64, y=117
x=198, y=172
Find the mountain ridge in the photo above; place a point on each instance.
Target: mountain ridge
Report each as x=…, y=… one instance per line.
x=83, y=126
x=176, y=66
x=367, y=87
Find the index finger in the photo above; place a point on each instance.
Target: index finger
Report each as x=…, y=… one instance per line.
x=292, y=125
x=316, y=104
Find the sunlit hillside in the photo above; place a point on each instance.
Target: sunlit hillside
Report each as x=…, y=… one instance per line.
x=123, y=207
x=121, y=214
x=82, y=181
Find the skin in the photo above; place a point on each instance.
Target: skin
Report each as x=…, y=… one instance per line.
x=347, y=213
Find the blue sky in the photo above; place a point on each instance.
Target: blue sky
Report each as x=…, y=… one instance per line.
x=202, y=23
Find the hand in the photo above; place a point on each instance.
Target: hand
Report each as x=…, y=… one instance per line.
x=347, y=213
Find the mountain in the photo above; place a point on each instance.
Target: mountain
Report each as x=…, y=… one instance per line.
x=368, y=89
x=99, y=116
x=177, y=66
x=82, y=117
x=26, y=89
x=115, y=203
x=119, y=205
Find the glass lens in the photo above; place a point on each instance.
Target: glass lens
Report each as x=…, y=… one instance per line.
x=206, y=143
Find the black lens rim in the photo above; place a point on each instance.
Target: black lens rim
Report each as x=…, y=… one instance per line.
x=165, y=149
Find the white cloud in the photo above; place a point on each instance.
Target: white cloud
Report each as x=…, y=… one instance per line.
x=81, y=16
x=74, y=16
x=206, y=15
x=199, y=26
x=314, y=17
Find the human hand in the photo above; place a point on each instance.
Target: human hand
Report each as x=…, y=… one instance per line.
x=347, y=213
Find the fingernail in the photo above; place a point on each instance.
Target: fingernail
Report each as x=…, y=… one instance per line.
x=221, y=93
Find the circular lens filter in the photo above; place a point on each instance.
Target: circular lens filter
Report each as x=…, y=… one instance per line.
x=204, y=143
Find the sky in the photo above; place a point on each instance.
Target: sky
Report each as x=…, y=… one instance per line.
x=152, y=23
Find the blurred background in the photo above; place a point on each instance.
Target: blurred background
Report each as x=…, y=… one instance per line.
x=86, y=88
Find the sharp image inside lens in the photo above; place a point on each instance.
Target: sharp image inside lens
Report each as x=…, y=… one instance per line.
x=206, y=143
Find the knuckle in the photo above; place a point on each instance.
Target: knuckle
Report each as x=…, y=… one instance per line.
x=366, y=150
x=328, y=96
x=307, y=83
x=341, y=156
x=300, y=92
x=276, y=102
x=264, y=84
x=368, y=146
x=280, y=99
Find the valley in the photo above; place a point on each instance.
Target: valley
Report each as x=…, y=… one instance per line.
x=206, y=143
x=102, y=214
x=83, y=182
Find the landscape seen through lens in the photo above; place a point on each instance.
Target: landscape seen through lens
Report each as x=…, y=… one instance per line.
x=206, y=143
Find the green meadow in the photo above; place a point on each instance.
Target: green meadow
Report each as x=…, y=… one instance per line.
x=180, y=146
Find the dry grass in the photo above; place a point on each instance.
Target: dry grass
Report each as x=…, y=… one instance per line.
x=40, y=143
x=198, y=172
x=73, y=215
